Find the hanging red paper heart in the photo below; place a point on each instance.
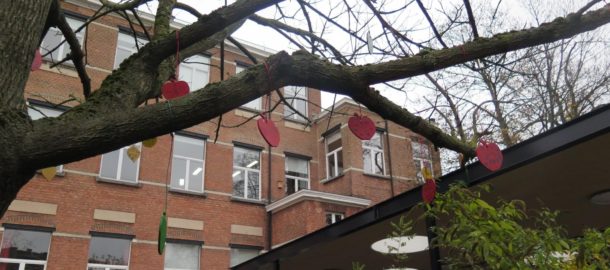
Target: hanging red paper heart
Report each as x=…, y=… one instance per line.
x=362, y=126
x=490, y=155
x=173, y=88
x=269, y=131
x=428, y=191
x=37, y=62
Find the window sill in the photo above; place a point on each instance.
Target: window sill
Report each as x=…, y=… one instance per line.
x=249, y=201
x=117, y=182
x=250, y=110
x=324, y=181
x=380, y=176
x=58, y=174
x=188, y=192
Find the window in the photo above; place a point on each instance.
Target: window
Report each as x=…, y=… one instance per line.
x=297, y=174
x=38, y=112
x=372, y=155
x=54, y=37
x=126, y=46
x=195, y=71
x=256, y=104
x=240, y=255
x=246, y=173
x=422, y=157
x=108, y=253
x=182, y=256
x=117, y=165
x=297, y=97
x=24, y=249
x=333, y=218
x=334, y=155
x=188, y=164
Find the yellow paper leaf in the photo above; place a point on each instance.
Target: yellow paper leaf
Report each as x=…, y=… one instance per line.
x=150, y=142
x=133, y=153
x=426, y=173
x=49, y=173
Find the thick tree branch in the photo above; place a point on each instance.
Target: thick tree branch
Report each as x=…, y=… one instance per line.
x=59, y=140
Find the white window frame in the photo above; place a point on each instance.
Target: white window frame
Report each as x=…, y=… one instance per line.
x=198, y=62
x=334, y=153
x=333, y=217
x=107, y=266
x=296, y=178
x=373, y=151
x=64, y=46
x=23, y=262
x=133, y=49
x=120, y=165
x=46, y=112
x=256, y=104
x=246, y=170
x=300, y=92
x=421, y=161
x=188, y=162
x=198, y=257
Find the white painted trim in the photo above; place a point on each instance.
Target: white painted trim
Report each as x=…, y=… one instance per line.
x=216, y=248
x=311, y=195
x=142, y=241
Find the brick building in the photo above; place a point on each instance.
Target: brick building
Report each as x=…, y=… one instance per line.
x=227, y=201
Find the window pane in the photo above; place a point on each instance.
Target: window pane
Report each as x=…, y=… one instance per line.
x=421, y=150
x=418, y=172
x=182, y=256
x=34, y=267
x=109, y=165
x=9, y=266
x=329, y=219
x=20, y=244
x=41, y=112
x=51, y=40
x=254, y=104
x=178, y=173
x=330, y=160
x=253, y=185
x=238, y=182
x=195, y=176
x=246, y=158
x=239, y=255
x=126, y=46
x=121, y=55
x=290, y=186
x=296, y=97
x=112, y=251
x=303, y=184
x=340, y=161
x=374, y=142
x=188, y=147
x=378, y=165
x=366, y=159
x=333, y=142
x=129, y=168
x=195, y=71
x=296, y=167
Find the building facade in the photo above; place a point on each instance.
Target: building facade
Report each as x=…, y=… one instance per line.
x=227, y=198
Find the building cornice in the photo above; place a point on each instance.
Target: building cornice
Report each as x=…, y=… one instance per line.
x=312, y=195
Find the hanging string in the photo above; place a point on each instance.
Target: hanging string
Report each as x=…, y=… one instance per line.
x=169, y=163
x=268, y=71
x=177, y=61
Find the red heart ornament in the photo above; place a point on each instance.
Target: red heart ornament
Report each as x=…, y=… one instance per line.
x=172, y=89
x=37, y=62
x=489, y=155
x=428, y=191
x=269, y=131
x=362, y=126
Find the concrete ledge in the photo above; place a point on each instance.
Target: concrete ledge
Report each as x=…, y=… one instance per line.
x=297, y=126
x=182, y=223
x=311, y=195
x=33, y=207
x=246, y=113
x=117, y=216
x=247, y=230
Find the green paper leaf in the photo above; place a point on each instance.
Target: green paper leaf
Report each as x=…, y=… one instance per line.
x=162, y=234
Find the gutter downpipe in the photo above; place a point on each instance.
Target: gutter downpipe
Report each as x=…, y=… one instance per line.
x=387, y=136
